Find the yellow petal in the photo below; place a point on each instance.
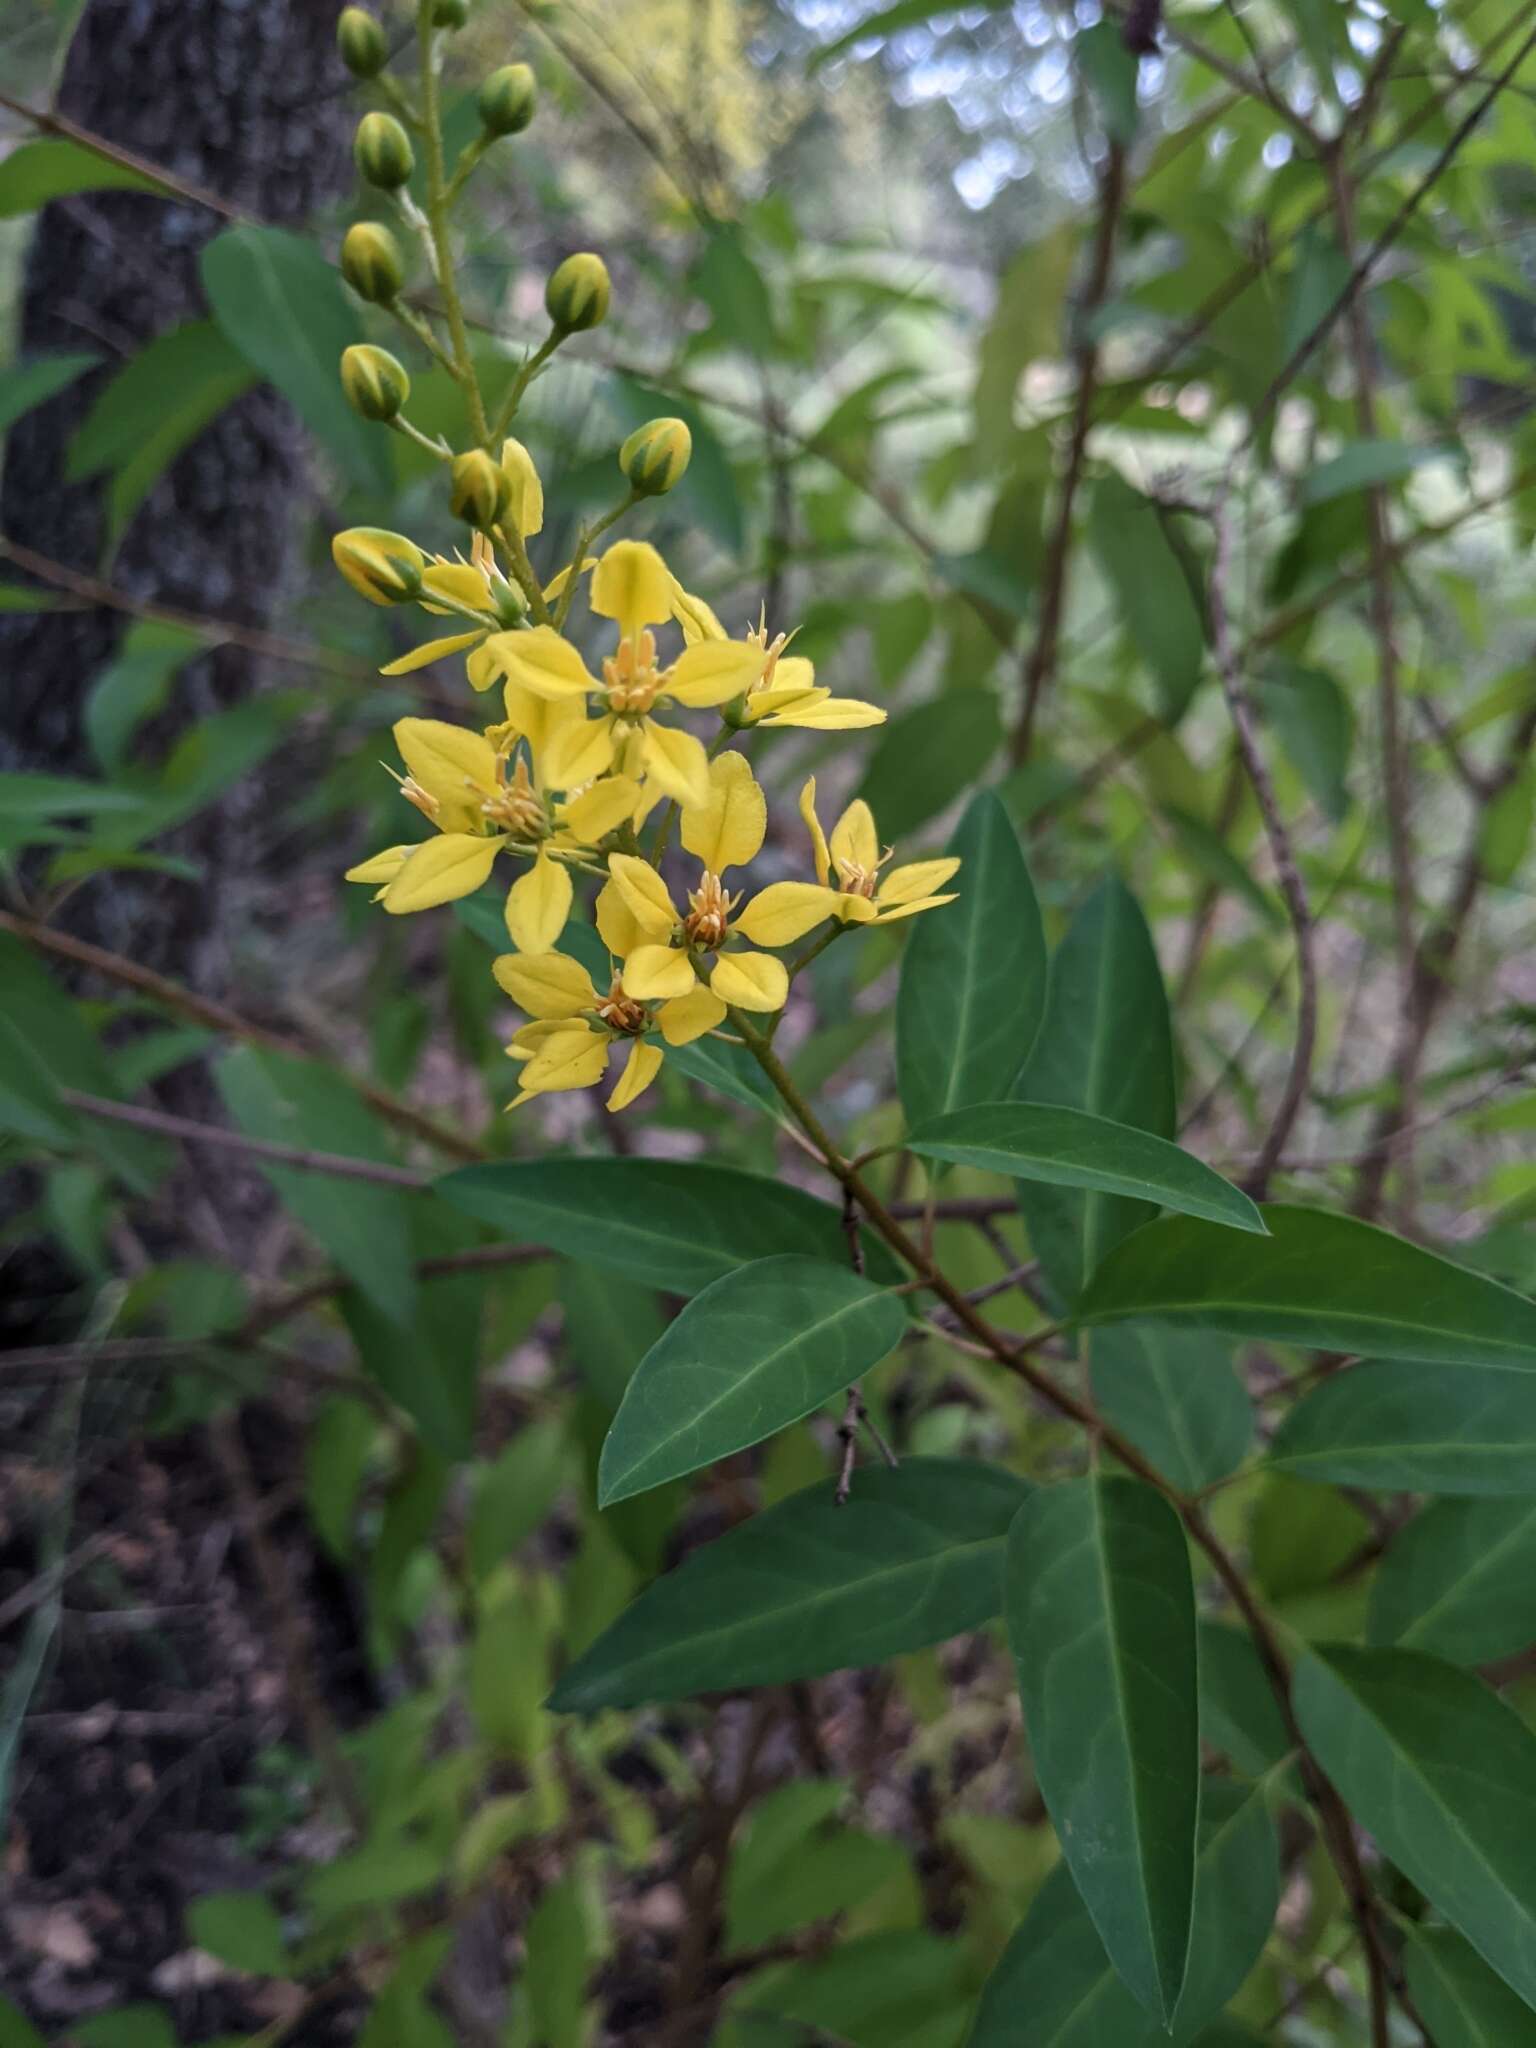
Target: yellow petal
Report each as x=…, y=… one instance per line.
x=794, y=672
x=917, y=878
x=432, y=650
x=573, y=1058
x=451, y=763
x=546, y=985
x=528, y=1038
x=675, y=761
x=784, y=912
x=460, y=581
x=892, y=911
x=694, y=615
x=527, y=491
x=640, y=1070
x=599, y=810
x=826, y=714
x=762, y=704
x=688, y=1017
x=539, y=660
x=854, y=839
x=538, y=904
x=482, y=667
x=813, y=826
x=617, y=924
x=631, y=584
x=454, y=864
x=652, y=973
x=752, y=981
x=539, y=719
x=556, y=584
x=850, y=909
x=713, y=672
x=575, y=753
x=380, y=867
x=645, y=893
x=728, y=830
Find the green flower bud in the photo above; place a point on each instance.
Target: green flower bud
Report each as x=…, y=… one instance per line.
x=375, y=381
x=383, y=152
x=371, y=262
x=449, y=13
x=384, y=567
x=655, y=456
x=576, y=296
x=507, y=100
x=482, y=490
x=361, y=40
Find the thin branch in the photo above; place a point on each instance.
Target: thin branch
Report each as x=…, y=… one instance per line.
x=173, y=187
x=190, y=1132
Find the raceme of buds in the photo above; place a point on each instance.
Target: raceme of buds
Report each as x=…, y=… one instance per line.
x=371, y=262
x=576, y=296
x=655, y=456
x=375, y=382
x=507, y=100
x=383, y=152
x=361, y=40
x=482, y=490
x=382, y=566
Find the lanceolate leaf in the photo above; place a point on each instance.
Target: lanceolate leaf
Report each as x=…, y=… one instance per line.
x=914, y=1556
x=54, y=169
x=1443, y=1774
x=1460, y=1581
x=973, y=976
x=1105, y=1046
x=1459, y=1999
x=1101, y=1617
x=671, y=1223
x=1072, y=1149
x=1318, y=1279
x=748, y=1356
x=1175, y=1395
x=1418, y=1428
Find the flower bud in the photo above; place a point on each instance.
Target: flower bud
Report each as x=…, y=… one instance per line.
x=449, y=13
x=384, y=567
x=482, y=490
x=576, y=296
x=361, y=40
x=655, y=456
x=383, y=152
x=371, y=262
x=375, y=381
x=507, y=100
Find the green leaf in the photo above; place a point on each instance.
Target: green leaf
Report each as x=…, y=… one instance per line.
x=555, y=1970
x=973, y=977
x=750, y=1355
x=1239, y=1714
x=280, y=303
x=1069, y=1148
x=1056, y=1988
x=914, y=1556
x=1311, y=714
x=16, y=2030
x=133, y=685
x=1209, y=855
x=1330, y=1282
x=40, y=171
x=1460, y=1582
x=1459, y=1999
x=1319, y=275
x=1111, y=71
x=364, y=1228
x=514, y=1494
x=1157, y=609
x=1406, y=1427
x=1363, y=465
x=1443, y=1773
x=925, y=758
x=1176, y=1396
x=1302, y=1535
x=1106, y=1046
x=1028, y=321
x=1505, y=831
x=33, y=382
x=901, y=1988
x=794, y=1867
x=727, y=279
x=671, y=1223
x=242, y=1929
x=887, y=21
x=1101, y=1619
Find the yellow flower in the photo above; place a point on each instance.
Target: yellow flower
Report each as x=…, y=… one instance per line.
x=786, y=911
x=630, y=585
x=783, y=690
x=574, y=1027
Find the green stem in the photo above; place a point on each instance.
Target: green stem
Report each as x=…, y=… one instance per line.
x=415, y=323
x=587, y=536
x=506, y=412
x=524, y=573
x=437, y=221
x=402, y=425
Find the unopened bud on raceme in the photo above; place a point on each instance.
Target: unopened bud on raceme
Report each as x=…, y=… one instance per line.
x=482, y=490
x=655, y=456
x=375, y=381
x=360, y=39
x=507, y=100
x=449, y=13
x=576, y=296
x=371, y=262
x=383, y=152
x=384, y=567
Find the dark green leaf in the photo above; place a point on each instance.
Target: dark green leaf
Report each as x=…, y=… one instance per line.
x=242, y=1929
x=925, y=758
x=1210, y=855
x=1459, y=1999
x=670, y=1223
x=1403, y=1427
x=146, y=388
x=1101, y=1618
x=1111, y=71
x=40, y=171
x=1460, y=1582
x=1322, y=1280
x=36, y=380
x=1316, y=726
x=514, y=1494
x=903, y=1988
x=1443, y=1773
x=727, y=279
x=1301, y=1536
x=1320, y=273
x=1105, y=1046
x=794, y=1867
x=807, y=1587
x=1028, y=322
x=1157, y=608
x=1239, y=1714
x=973, y=977
x=1364, y=464
x=1176, y=1396
x=133, y=685
x=754, y=1352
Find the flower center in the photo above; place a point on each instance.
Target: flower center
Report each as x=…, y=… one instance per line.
x=709, y=913
x=423, y=799
x=859, y=881
x=631, y=676
x=516, y=805
x=622, y=1013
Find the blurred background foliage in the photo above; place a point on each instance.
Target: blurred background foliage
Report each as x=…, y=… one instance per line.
x=297, y=1521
